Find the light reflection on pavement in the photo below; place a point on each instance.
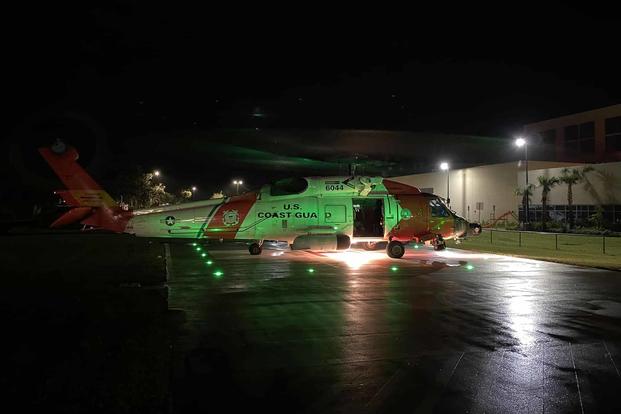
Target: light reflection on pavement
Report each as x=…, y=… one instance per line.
x=435, y=331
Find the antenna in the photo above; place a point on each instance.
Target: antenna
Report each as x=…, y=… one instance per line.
x=354, y=164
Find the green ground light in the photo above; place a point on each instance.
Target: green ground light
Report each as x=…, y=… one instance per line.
x=469, y=267
x=218, y=273
x=203, y=254
x=209, y=262
x=198, y=249
x=394, y=268
x=311, y=270
x=194, y=244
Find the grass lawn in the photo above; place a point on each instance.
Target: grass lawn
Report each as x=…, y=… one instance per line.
x=564, y=248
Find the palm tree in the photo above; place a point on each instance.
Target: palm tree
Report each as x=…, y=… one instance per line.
x=546, y=184
x=572, y=177
x=526, y=193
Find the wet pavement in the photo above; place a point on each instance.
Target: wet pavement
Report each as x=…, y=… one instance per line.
x=448, y=331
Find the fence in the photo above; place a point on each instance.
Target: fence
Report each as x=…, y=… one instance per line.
x=583, y=214
x=578, y=243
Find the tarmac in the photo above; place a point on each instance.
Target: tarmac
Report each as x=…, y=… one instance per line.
x=111, y=323
x=451, y=331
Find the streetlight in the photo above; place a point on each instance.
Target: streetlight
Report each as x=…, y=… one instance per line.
x=521, y=142
x=445, y=167
x=156, y=173
x=238, y=183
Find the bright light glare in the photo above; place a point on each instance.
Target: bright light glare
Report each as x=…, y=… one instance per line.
x=208, y=262
x=218, y=273
x=198, y=249
x=311, y=270
x=444, y=166
x=194, y=188
x=203, y=254
x=520, y=142
x=156, y=173
x=448, y=254
x=469, y=267
x=193, y=244
x=394, y=268
x=521, y=312
x=522, y=267
x=354, y=259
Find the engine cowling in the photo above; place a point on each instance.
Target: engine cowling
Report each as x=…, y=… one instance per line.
x=324, y=242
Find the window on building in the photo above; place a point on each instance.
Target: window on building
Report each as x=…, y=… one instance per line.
x=580, y=138
x=613, y=134
x=587, y=130
x=572, y=133
x=548, y=144
x=549, y=137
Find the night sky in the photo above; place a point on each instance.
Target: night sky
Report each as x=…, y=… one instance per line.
x=133, y=82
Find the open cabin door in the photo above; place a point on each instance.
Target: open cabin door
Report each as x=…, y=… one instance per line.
x=368, y=217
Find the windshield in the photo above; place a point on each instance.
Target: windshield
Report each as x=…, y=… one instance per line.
x=438, y=208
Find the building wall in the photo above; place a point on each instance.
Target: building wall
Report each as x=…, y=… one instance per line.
x=491, y=187
x=598, y=139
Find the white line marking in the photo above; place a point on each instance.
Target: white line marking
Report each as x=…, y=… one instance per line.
x=454, y=368
x=611, y=358
x=576, y=375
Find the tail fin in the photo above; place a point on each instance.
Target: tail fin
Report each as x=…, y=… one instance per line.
x=82, y=190
x=93, y=205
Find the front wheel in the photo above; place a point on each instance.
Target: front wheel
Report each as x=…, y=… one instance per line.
x=395, y=249
x=255, y=249
x=439, y=243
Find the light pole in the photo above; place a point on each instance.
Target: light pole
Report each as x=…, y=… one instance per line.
x=237, y=184
x=445, y=167
x=521, y=142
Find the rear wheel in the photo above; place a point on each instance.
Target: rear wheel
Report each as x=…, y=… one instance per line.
x=255, y=249
x=395, y=249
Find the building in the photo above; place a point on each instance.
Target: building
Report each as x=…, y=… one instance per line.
x=591, y=136
x=486, y=193
x=482, y=193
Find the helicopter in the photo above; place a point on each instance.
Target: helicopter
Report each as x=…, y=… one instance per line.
x=309, y=213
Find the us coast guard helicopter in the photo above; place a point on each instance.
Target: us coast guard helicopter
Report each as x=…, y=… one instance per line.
x=311, y=213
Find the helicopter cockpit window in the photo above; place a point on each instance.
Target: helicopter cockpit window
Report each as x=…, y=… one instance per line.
x=438, y=209
x=289, y=186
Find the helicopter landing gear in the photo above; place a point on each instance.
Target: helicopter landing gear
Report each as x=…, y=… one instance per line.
x=439, y=243
x=395, y=249
x=255, y=249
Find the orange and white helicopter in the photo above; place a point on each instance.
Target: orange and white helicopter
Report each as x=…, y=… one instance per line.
x=312, y=213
